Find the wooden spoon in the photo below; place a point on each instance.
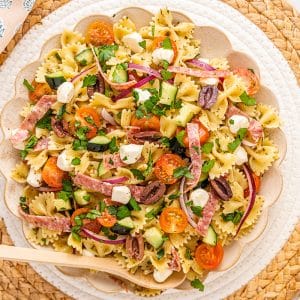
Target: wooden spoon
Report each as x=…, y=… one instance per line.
x=107, y=265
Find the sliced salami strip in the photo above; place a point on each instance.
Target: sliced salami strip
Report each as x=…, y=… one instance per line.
x=52, y=223
x=199, y=73
x=207, y=214
x=141, y=137
x=255, y=128
x=174, y=264
x=42, y=144
x=104, y=188
x=48, y=189
x=112, y=161
x=39, y=110
x=195, y=153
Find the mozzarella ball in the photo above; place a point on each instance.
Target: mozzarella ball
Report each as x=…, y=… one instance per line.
x=236, y=122
x=161, y=54
x=131, y=153
x=132, y=41
x=199, y=197
x=241, y=156
x=121, y=194
x=65, y=92
x=34, y=178
x=64, y=162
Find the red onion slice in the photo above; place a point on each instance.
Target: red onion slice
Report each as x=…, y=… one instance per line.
x=83, y=73
x=108, y=117
x=140, y=83
x=115, y=180
x=200, y=64
x=186, y=209
x=252, y=196
x=144, y=69
x=103, y=239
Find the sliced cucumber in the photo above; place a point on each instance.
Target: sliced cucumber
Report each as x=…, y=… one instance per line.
x=167, y=93
x=211, y=237
x=62, y=205
x=98, y=144
x=126, y=222
x=55, y=79
x=186, y=113
x=85, y=57
x=101, y=170
x=154, y=237
x=82, y=197
x=120, y=74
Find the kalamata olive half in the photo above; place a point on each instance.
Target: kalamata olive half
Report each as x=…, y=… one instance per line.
x=208, y=96
x=119, y=229
x=222, y=188
x=152, y=192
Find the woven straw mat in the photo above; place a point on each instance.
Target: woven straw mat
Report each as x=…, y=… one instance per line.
x=281, y=278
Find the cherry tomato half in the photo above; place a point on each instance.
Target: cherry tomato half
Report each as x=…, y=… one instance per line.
x=257, y=185
x=52, y=174
x=173, y=220
x=89, y=118
x=107, y=220
x=165, y=166
x=40, y=89
x=146, y=123
x=250, y=79
x=100, y=33
x=209, y=257
x=157, y=43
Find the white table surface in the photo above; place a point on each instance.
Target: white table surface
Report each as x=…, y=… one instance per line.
x=295, y=3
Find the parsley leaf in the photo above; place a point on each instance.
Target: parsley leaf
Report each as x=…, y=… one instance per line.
x=247, y=100
x=139, y=113
x=164, y=63
x=23, y=204
x=154, y=212
x=180, y=136
x=123, y=212
x=79, y=145
x=165, y=141
x=188, y=254
x=113, y=147
x=135, y=95
x=208, y=165
x=174, y=196
x=182, y=171
x=61, y=112
x=143, y=44
x=138, y=174
x=76, y=161
x=166, y=75
x=75, y=232
x=30, y=145
x=153, y=30
x=90, y=120
x=207, y=147
x=67, y=191
x=240, y=136
x=234, y=217
x=104, y=53
x=197, y=284
x=197, y=210
x=29, y=87
x=160, y=254
x=166, y=44
x=45, y=121
x=176, y=104
x=89, y=80
x=81, y=131
x=93, y=214
x=148, y=171
x=133, y=204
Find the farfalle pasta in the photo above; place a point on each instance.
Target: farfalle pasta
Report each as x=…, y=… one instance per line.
x=134, y=147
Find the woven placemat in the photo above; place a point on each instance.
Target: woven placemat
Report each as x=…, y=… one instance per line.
x=281, y=278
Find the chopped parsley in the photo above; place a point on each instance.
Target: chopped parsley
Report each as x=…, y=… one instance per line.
x=208, y=165
x=234, y=217
x=93, y=214
x=76, y=161
x=247, y=100
x=138, y=174
x=166, y=44
x=29, y=87
x=45, y=121
x=81, y=132
x=24, y=205
x=149, y=168
x=133, y=204
x=164, y=63
x=160, y=254
x=89, y=80
x=75, y=232
x=238, y=140
x=61, y=112
x=174, y=196
x=143, y=44
x=166, y=75
x=165, y=141
x=207, y=147
x=79, y=145
x=123, y=212
x=67, y=190
x=197, y=210
x=113, y=147
x=104, y=53
x=153, y=30
x=135, y=95
x=197, y=284
x=188, y=254
x=78, y=220
x=102, y=206
x=29, y=146
x=182, y=171
x=231, y=121
x=154, y=212
x=90, y=120
x=176, y=104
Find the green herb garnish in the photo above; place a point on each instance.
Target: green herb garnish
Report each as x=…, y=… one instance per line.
x=138, y=174
x=89, y=80
x=247, y=100
x=104, y=53
x=234, y=217
x=182, y=171
x=238, y=140
x=197, y=210
x=29, y=87
x=76, y=161
x=79, y=145
x=143, y=44
x=188, y=254
x=29, y=146
x=23, y=204
x=197, y=284
x=123, y=212
x=166, y=75
x=165, y=141
x=207, y=147
x=61, y=112
x=179, y=136
x=133, y=204
x=113, y=147
x=208, y=165
x=45, y=121
x=166, y=44
x=160, y=254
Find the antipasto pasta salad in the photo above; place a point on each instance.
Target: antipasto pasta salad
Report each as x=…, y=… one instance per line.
x=135, y=147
